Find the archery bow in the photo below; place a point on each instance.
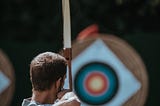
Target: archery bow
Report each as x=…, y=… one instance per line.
x=67, y=37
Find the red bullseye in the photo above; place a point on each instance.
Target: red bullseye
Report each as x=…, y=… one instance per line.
x=96, y=83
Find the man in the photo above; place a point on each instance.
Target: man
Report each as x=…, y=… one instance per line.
x=47, y=75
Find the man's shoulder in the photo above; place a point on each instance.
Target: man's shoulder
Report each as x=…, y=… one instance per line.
x=29, y=102
x=26, y=102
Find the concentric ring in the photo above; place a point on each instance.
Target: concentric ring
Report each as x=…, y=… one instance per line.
x=96, y=83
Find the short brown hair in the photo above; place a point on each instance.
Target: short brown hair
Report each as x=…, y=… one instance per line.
x=46, y=69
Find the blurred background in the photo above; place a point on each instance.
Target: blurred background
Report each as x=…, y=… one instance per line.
x=28, y=27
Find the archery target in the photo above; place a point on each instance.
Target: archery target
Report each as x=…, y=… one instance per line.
x=121, y=62
x=7, y=80
x=96, y=83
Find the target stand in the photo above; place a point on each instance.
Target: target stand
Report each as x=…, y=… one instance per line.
x=107, y=71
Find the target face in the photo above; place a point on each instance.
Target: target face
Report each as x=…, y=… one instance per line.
x=96, y=83
x=101, y=78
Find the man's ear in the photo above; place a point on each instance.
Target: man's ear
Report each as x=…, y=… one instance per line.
x=58, y=83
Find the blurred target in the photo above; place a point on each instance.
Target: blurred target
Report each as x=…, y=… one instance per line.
x=124, y=73
x=96, y=83
x=6, y=80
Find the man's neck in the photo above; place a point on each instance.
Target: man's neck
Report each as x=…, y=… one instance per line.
x=44, y=97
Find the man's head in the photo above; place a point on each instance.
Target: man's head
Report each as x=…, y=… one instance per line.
x=46, y=69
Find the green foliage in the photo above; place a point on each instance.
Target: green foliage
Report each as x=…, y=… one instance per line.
x=30, y=20
x=122, y=16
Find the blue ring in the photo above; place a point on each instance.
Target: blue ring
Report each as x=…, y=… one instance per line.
x=102, y=98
